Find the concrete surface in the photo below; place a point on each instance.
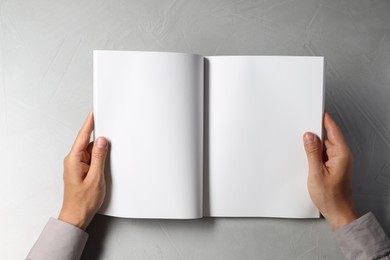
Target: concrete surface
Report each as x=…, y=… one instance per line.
x=46, y=92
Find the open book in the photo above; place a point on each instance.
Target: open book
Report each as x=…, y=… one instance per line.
x=193, y=136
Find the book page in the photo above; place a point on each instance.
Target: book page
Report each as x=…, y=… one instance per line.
x=150, y=107
x=258, y=110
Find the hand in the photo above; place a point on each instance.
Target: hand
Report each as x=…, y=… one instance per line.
x=84, y=183
x=329, y=181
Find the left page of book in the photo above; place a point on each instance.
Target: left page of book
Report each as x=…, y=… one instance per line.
x=150, y=107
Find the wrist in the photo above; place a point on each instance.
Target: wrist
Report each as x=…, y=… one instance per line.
x=76, y=219
x=343, y=218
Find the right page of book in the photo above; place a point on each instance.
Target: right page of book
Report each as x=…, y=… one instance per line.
x=257, y=110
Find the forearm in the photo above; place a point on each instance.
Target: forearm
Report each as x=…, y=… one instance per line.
x=363, y=238
x=59, y=240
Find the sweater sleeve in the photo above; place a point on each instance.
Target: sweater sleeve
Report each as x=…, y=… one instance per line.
x=59, y=240
x=363, y=238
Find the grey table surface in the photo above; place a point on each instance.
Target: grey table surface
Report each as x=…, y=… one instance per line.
x=46, y=92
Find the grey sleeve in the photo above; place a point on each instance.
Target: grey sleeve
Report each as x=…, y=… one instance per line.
x=363, y=238
x=59, y=240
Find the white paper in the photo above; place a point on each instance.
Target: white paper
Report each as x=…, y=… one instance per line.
x=150, y=107
x=259, y=109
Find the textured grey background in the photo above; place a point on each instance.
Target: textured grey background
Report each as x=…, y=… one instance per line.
x=46, y=92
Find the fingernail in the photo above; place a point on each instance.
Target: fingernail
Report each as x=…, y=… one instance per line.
x=101, y=143
x=309, y=138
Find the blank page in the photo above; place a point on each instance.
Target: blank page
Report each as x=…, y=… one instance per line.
x=259, y=108
x=150, y=107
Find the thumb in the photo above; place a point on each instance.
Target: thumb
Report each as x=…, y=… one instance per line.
x=313, y=150
x=98, y=157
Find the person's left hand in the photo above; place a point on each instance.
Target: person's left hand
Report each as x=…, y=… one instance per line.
x=84, y=182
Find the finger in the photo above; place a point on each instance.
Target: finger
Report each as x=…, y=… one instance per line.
x=331, y=150
x=98, y=158
x=335, y=136
x=74, y=170
x=325, y=150
x=89, y=151
x=313, y=151
x=85, y=157
x=84, y=135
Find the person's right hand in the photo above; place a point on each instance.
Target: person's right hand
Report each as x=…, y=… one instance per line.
x=329, y=181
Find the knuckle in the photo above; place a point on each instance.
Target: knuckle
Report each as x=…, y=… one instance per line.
x=66, y=159
x=98, y=155
x=314, y=150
